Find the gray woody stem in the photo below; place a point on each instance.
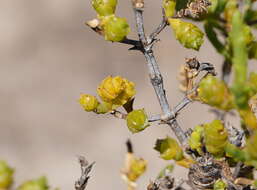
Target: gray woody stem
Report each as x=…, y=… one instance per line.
x=154, y=72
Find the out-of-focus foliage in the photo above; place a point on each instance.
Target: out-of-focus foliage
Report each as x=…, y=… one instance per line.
x=36, y=184
x=6, y=175
x=219, y=185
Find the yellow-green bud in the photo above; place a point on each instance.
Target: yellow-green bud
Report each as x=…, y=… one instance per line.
x=116, y=90
x=104, y=107
x=104, y=7
x=88, y=102
x=6, y=175
x=169, y=149
x=169, y=7
x=189, y=35
x=115, y=28
x=248, y=117
x=214, y=92
x=137, y=168
x=215, y=137
x=37, y=184
x=195, y=140
x=137, y=120
x=219, y=185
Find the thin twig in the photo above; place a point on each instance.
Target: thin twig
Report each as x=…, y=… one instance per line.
x=182, y=104
x=160, y=28
x=154, y=72
x=81, y=183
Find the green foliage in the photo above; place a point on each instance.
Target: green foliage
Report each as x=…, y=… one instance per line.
x=236, y=153
x=137, y=120
x=238, y=40
x=115, y=28
x=188, y=34
x=215, y=137
x=6, y=175
x=215, y=92
x=104, y=7
x=36, y=184
x=169, y=149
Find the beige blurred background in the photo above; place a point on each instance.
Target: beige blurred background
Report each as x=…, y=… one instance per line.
x=48, y=57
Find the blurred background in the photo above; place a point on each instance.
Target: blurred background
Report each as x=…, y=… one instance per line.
x=48, y=57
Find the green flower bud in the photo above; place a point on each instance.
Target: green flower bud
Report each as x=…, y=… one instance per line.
x=248, y=117
x=215, y=137
x=116, y=90
x=214, y=92
x=115, y=28
x=169, y=7
x=104, y=7
x=134, y=168
x=189, y=35
x=219, y=185
x=104, y=107
x=195, y=140
x=137, y=120
x=169, y=149
x=36, y=184
x=6, y=175
x=88, y=102
x=137, y=168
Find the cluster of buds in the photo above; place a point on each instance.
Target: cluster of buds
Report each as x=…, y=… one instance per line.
x=213, y=136
x=114, y=92
x=113, y=28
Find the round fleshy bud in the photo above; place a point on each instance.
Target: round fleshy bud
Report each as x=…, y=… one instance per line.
x=116, y=90
x=88, y=102
x=6, y=175
x=37, y=184
x=137, y=168
x=214, y=92
x=169, y=149
x=215, y=137
x=104, y=107
x=169, y=7
x=195, y=140
x=115, y=28
x=219, y=185
x=137, y=120
x=104, y=7
x=189, y=35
